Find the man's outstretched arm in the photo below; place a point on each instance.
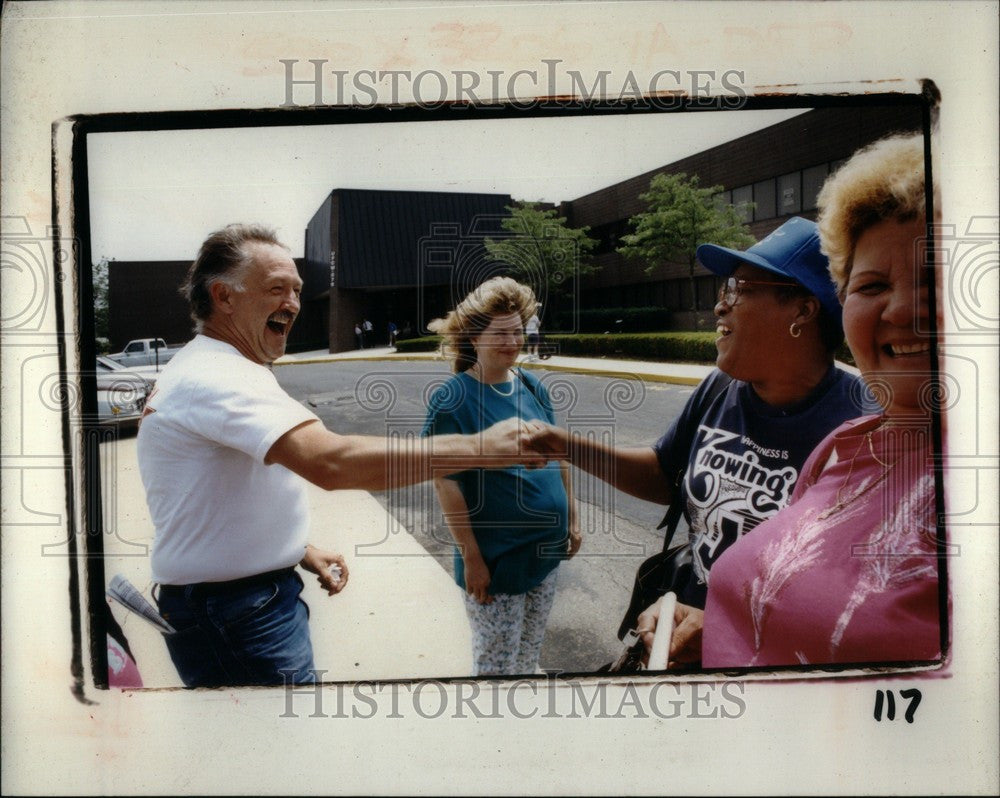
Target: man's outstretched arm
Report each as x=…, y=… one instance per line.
x=369, y=462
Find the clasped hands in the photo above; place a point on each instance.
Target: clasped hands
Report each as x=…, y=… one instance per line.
x=525, y=442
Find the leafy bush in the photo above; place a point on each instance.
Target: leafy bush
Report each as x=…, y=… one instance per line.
x=614, y=320
x=684, y=347
x=648, y=346
x=428, y=343
x=681, y=347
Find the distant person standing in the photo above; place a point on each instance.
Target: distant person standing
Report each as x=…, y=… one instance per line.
x=393, y=329
x=532, y=329
x=359, y=336
x=366, y=333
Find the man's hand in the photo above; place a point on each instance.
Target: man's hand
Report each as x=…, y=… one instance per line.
x=318, y=562
x=549, y=440
x=509, y=442
x=477, y=578
x=685, y=643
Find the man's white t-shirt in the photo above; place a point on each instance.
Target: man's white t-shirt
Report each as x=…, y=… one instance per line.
x=220, y=513
x=533, y=326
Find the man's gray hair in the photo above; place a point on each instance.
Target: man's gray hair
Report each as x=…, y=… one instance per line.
x=223, y=258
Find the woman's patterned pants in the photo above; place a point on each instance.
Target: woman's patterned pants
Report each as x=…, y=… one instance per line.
x=507, y=634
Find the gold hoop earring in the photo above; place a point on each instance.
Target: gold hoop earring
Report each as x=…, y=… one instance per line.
x=794, y=330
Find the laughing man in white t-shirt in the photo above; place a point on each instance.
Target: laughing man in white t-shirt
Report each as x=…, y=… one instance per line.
x=223, y=452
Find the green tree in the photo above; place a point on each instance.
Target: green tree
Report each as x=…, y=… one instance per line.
x=543, y=251
x=680, y=216
x=100, y=277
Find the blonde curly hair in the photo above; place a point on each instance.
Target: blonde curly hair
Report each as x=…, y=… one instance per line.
x=497, y=296
x=884, y=180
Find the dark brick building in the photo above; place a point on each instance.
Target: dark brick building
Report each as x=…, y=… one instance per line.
x=143, y=302
x=401, y=256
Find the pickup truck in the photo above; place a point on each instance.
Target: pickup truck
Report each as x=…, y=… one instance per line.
x=145, y=352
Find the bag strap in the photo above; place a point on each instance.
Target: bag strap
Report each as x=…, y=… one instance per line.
x=670, y=521
x=676, y=508
x=527, y=383
x=532, y=386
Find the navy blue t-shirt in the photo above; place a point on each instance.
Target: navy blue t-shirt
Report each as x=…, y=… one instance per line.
x=743, y=458
x=519, y=516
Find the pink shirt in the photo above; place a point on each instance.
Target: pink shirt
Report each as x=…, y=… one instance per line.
x=847, y=573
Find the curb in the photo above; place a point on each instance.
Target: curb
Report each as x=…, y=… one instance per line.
x=596, y=372
x=373, y=358
x=618, y=373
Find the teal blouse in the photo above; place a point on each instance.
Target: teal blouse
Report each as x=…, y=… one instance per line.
x=519, y=516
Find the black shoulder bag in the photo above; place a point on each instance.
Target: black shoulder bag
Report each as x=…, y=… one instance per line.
x=667, y=570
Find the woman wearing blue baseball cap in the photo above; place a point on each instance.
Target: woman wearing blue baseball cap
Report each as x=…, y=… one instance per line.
x=783, y=279
x=732, y=457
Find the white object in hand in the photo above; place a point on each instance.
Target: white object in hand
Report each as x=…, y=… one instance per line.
x=660, y=652
x=335, y=572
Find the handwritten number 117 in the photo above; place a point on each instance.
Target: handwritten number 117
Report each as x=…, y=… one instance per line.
x=888, y=700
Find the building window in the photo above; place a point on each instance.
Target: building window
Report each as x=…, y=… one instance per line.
x=741, y=195
x=707, y=292
x=812, y=181
x=672, y=294
x=789, y=194
x=609, y=235
x=660, y=295
x=763, y=197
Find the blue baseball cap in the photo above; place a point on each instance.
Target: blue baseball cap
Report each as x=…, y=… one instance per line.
x=790, y=251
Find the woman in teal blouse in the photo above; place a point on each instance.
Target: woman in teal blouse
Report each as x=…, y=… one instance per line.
x=512, y=526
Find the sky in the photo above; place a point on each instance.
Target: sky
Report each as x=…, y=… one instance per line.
x=157, y=195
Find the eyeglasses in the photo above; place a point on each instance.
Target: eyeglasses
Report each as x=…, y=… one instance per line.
x=733, y=287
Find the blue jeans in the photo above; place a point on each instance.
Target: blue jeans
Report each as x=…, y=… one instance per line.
x=239, y=633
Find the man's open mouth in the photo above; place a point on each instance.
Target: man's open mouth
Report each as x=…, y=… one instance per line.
x=723, y=330
x=279, y=323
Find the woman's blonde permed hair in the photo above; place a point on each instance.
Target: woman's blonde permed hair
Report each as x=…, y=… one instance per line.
x=884, y=180
x=498, y=296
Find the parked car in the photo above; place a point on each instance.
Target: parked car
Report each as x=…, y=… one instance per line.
x=121, y=394
x=146, y=352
